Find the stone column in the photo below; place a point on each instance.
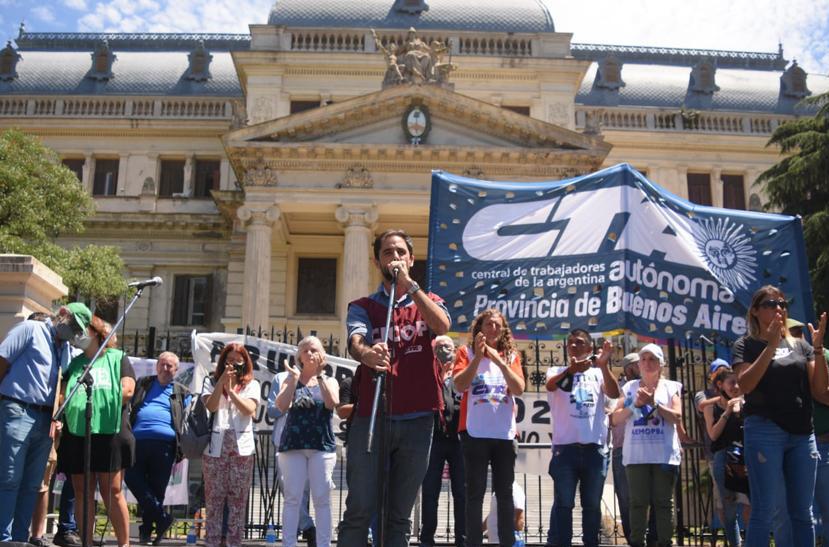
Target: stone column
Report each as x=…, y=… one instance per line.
x=358, y=222
x=189, y=168
x=256, y=287
x=86, y=177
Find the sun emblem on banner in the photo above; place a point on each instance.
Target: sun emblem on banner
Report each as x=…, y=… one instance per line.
x=727, y=251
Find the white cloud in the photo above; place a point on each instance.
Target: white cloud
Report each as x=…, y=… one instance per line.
x=43, y=13
x=79, y=5
x=746, y=25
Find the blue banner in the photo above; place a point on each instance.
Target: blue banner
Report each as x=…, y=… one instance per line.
x=606, y=251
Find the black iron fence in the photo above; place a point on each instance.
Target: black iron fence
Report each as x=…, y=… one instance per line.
x=687, y=362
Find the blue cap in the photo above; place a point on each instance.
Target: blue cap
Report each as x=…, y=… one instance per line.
x=716, y=364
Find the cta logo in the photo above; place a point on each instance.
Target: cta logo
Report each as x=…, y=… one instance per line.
x=582, y=223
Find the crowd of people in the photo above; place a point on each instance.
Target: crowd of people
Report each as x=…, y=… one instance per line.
x=765, y=415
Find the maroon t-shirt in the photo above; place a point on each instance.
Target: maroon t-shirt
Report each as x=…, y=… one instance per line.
x=414, y=384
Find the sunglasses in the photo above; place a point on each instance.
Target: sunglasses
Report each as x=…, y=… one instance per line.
x=769, y=304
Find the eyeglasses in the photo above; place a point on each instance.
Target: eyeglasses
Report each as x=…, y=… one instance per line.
x=769, y=304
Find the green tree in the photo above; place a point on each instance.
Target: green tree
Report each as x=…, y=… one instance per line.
x=40, y=200
x=799, y=185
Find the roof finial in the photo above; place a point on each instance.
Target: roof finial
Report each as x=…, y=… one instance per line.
x=780, y=49
x=21, y=29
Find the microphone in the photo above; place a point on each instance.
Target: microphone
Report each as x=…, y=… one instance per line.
x=395, y=271
x=154, y=282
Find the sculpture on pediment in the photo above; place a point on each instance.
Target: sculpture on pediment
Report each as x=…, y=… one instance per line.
x=415, y=62
x=260, y=174
x=357, y=176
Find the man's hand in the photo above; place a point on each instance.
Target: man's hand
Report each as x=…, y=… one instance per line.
x=576, y=366
x=377, y=358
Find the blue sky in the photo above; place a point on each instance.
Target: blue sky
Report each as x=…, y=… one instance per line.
x=747, y=25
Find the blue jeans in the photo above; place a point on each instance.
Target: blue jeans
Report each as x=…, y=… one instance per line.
x=408, y=451
x=24, y=451
x=147, y=480
x=821, y=502
x=582, y=466
x=729, y=500
x=443, y=450
x=780, y=466
x=66, y=519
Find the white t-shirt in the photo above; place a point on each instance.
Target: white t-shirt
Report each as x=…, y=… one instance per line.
x=579, y=414
x=228, y=416
x=653, y=440
x=489, y=405
x=492, y=517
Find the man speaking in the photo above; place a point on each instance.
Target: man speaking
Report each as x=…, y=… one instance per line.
x=413, y=390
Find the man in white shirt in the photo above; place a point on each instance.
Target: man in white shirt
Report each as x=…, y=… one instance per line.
x=578, y=396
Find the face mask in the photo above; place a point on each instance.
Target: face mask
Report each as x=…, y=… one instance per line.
x=81, y=342
x=64, y=332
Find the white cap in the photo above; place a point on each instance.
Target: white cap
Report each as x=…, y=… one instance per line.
x=654, y=350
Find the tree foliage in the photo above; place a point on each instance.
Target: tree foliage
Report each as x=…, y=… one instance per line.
x=40, y=200
x=799, y=185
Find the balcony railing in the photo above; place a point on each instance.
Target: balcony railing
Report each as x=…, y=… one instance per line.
x=116, y=107
x=613, y=118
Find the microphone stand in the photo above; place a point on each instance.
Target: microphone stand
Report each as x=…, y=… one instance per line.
x=379, y=393
x=86, y=380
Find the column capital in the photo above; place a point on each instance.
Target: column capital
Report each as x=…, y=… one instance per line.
x=357, y=215
x=262, y=216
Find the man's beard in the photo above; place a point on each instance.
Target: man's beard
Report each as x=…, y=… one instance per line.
x=387, y=274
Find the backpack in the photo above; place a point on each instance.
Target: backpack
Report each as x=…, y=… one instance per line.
x=196, y=428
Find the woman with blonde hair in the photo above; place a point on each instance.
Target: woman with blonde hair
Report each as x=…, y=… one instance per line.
x=307, y=449
x=488, y=372
x=112, y=441
x=651, y=408
x=232, y=395
x=780, y=375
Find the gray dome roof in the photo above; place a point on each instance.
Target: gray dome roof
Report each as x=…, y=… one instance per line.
x=473, y=15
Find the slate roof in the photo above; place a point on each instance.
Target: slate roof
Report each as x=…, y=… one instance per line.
x=135, y=73
x=470, y=15
x=667, y=87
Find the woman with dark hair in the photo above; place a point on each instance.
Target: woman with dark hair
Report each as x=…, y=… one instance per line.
x=724, y=424
x=488, y=372
x=780, y=375
x=231, y=395
x=112, y=442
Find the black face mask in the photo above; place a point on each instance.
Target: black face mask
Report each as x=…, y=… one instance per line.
x=64, y=332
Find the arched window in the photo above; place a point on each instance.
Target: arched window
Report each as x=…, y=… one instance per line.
x=199, y=69
x=102, y=59
x=793, y=82
x=703, y=77
x=609, y=75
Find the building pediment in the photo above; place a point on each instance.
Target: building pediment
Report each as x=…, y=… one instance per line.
x=463, y=120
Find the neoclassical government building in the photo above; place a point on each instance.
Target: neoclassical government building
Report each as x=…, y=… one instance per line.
x=251, y=171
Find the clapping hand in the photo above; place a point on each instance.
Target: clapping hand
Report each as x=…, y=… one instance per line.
x=817, y=334
x=774, y=332
x=644, y=396
x=293, y=372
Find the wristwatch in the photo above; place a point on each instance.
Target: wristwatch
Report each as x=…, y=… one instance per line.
x=413, y=289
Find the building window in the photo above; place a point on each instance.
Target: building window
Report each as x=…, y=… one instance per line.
x=172, y=178
x=302, y=106
x=75, y=165
x=106, y=178
x=207, y=178
x=733, y=192
x=316, y=286
x=699, y=188
x=523, y=110
x=191, y=299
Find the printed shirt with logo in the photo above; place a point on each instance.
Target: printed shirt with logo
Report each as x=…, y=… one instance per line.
x=415, y=386
x=652, y=440
x=487, y=406
x=579, y=414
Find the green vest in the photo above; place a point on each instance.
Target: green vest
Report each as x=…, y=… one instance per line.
x=821, y=413
x=106, y=394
